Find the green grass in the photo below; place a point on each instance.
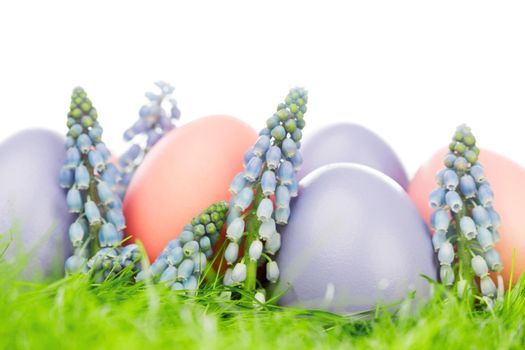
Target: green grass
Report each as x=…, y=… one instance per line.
x=75, y=313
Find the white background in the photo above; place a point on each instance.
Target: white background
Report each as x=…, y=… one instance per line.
x=411, y=71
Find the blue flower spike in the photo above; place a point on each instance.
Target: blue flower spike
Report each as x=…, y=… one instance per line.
x=156, y=118
x=97, y=232
x=464, y=222
x=263, y=202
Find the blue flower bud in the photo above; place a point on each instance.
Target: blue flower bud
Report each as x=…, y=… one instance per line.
x=485, y=239
x=454, y=201
x=479, y=266
x=485, y=195
x=478, y=173
x=116, y=217
x=177, y=286
x=70, y=142
x=440, y=177
x=446, y=275
x=74, y=200
x=261, y=145
x=66, y=177
x=253, y=169
x=495, y=236
x=493, y=260
x=293, y=188
x=96, y=160
x=129, y=253
x=289, y=148
x=95, y=133
x=437, y=198
x=239, y=273
x=286, y=173
x=205, y=243
x=158, y=266
x=265, y=209
x=268, y=183
x=185, y=270
x=494, y=218
x=282, y=197
x=153, y=138
x=191, y=284
x=267, y=229
x=169, y=276
x=75, y=130
x=92, y=213
x=440, y=220
x=116, y=204
x=273, y=157
x=278, y=133
x=272, y=272
x=467, y=185
x=501, y=288
x=186, y=236
x=297, y=135
x=487, y=286
x=235, y=230
x=297, y=161
x=82, y=177
x=104, y=151
x=273, y=244
x=76, y=234
x=105, y=193
x=227, y=280
x=460, y=164
x=199, y=262
x=468, y=227
x=84, y=143
x=237, y=184
x=108, y=235
x=282, y=215
x=438, y=239
x=260, y=297
x=175, y=256
x=481, y=217
x=451, y=180
x=449, y=160
x=255, y=250
x=247, y=156
x=74, y=264
x=111, y=174
x=72, y=159
x=190, y=248
x=233, y=214
x=272, y=122
x=243, y=199
x=446, y=254
x=231, y=253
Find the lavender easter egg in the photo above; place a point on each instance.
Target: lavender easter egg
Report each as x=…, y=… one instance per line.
x=32, y=205
x=352, y=143
x=354, y=241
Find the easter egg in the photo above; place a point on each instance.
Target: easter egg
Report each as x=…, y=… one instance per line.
x=32, y=205
x=354, y=241
x=507, y=180
x=352, y=143
x=189, y=169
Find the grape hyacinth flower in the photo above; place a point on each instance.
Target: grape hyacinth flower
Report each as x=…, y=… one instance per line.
x=88, y=176
x=183, y=261
x=156, y=118
x=464, y=223
x=261, y=195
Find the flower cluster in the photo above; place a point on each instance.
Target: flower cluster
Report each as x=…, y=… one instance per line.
x=261, y=194
x=155, y=119
x=464, y=222
x=184, y=259
x=89, y=177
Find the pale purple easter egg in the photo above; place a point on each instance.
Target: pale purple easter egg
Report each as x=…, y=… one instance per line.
x=32, y=205
x=354, y=241
x=352, y=143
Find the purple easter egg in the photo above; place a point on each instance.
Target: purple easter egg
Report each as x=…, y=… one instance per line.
x=354, y=241
x=352, y=143
x=32, y=205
